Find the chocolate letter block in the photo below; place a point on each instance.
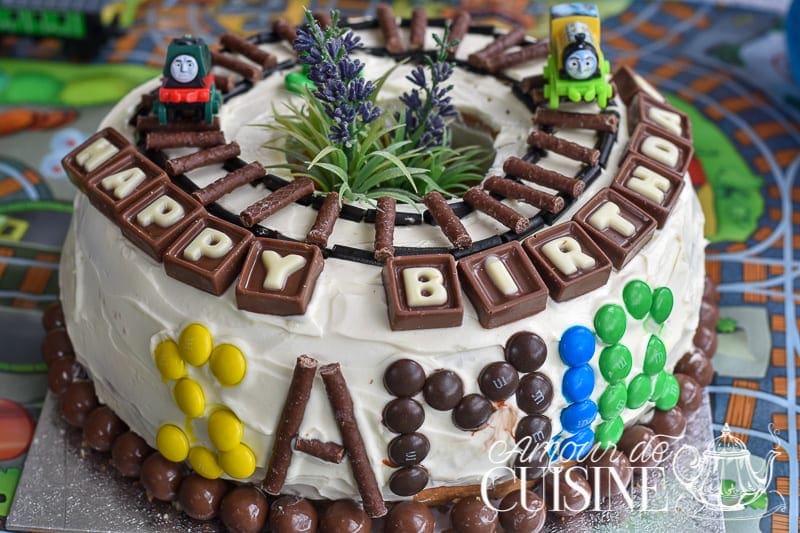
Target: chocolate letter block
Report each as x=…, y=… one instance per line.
x=208, y=255
x=620, y=228
x=117, y=184
x=502, y=284
x=629, y=83
x=158, y=217
x=422, y=292
x=570, y=262
x=99, y=149
x=648, y=185
x=663, y=148
x=278, y=277
x=644, y=109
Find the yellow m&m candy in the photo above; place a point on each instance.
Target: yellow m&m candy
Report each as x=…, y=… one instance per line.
x=195, y=344
x=239, y=463
x=204, y=462
x=225, y=430
x=168, y=360
x=172, y=442
x=189, y=397
x=228, y=364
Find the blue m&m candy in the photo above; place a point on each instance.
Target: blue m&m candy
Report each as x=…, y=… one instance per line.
x=578, y=383
x=576, y=346
x=578, y=416
x=577, y=446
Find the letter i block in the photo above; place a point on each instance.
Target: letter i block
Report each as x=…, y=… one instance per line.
x=651, y=187
x=208, y=255
x=665, y=149
x=620, y=228
x=98, y=150
x=116, y=185
x=278, y=277
x=569, y=261
x=422, y=292
x=158, y=217
x=644, y=109
x=502, y=284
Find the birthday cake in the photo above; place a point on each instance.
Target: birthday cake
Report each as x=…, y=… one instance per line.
x=261, y=299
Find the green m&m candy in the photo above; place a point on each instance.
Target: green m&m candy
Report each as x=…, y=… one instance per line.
x=672, y=392
x=609, y=432
x=615, y=362
x=661, y=306
x=609, y=323
x=638, y=298
x=655, y=356
x=659, y=385
x=639, y=390
x=613, y=400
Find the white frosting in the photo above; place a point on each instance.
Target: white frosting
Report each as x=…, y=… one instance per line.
x=119, y=304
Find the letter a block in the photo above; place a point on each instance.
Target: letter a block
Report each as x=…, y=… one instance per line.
x=115, y=186
x=422, y=292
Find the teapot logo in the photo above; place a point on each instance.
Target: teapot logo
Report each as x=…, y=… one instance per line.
x=722, y=477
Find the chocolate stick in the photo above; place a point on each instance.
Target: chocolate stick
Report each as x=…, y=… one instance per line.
x=342, y=404
x=388, y=24
x=548, y=141
x=145, y=124
x=499, y=45
x=496, y=209
x=285, y=31
x=331, y=452
x=541, y=176
x=229, y=182
x=224, y=83
x=236, y=44
x=449, y=223
x=529, y=83
x=251, y=72
x=384, y=228
x=419, y=23
x=158, y=140
x=203, y=158
x=294, y=409
x=326, y=218
x=323, y=18
x=459, y=29
x=569, y=119
x=276, y=201
x=517, y=191
x=537, y=50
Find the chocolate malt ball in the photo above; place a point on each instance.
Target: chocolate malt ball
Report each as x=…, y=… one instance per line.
x=642, y=446
x=691, y=393
x=599, y=467
x=53, y=317
x=705, y=340
x=77, y=402
x=519, y=515
x=410, y=516
x=568, y=492
x=56, y=345
x=292, y=514
x=62, y=373
x=669, y=425
x=128, y=453
x=693, y=364
x=200, y=498
x=472, y=515
x=160, y=477
x=101, y=428
x=345, y=516
x=244, y=510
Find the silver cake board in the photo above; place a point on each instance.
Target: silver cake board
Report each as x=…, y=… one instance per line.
x=66, y=487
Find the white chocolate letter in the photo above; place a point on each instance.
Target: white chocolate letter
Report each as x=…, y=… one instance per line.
x=649, y=184
x=669, y=120
x=500, y=276
x=567, y=256
x=607, y=216
x=122, y=184
x=165, y=212
x=661, y=150
x=424, y=286
x=96, y=154
x=280, y=268
x=209, y=243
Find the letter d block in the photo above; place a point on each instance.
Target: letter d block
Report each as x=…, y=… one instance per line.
x=422, y=292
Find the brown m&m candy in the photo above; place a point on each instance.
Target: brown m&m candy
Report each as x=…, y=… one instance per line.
x=535, y=392
x=345, y=516
x=709, y=313
x=641, y=445
x=53, y=317
x=498, y=381
x=404, y=378
x=526, y=351
x=411, y=517
x=128, y=453
x=533, y=430
x=670, y=423
x=77, y=402
x=567, y=492
x=518, y=515
x=403, y=415
x=691, y=393
x=409, y=449
x=56, y=345
x=160, y=477
x=471, y=515
x=408, y=480
x=200, y=498
x=62, y=373
x=244, y=510
x=693, y=364
x=443, y=390
x=292, y=514
x=599, y=467
x=101, y=428
x=472, y=412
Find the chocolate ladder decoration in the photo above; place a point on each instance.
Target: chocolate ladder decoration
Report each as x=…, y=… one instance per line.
x=224, y=83
x=541, y=176
x=384, y=228
x=518, y=191
x=146, y=124
x=203, y=158
x=330, y=452
x=284, y=30
x=496, y=209
x=528, y=52
x=501, y=43
x=548, y=141
x=389, y=29
x=276, y=201
x=236, y=44
x=447, y=220
x=250, y=72
x=229, y=182
x=326, y=219
x=419, y=23
x=458, y=29
x=158, y=140
x=568, y=119
x=323, y=18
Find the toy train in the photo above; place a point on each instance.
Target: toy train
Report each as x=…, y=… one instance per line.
x=188, y=91
x=576, y=68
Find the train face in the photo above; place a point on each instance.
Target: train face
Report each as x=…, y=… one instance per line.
x=187, y=91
